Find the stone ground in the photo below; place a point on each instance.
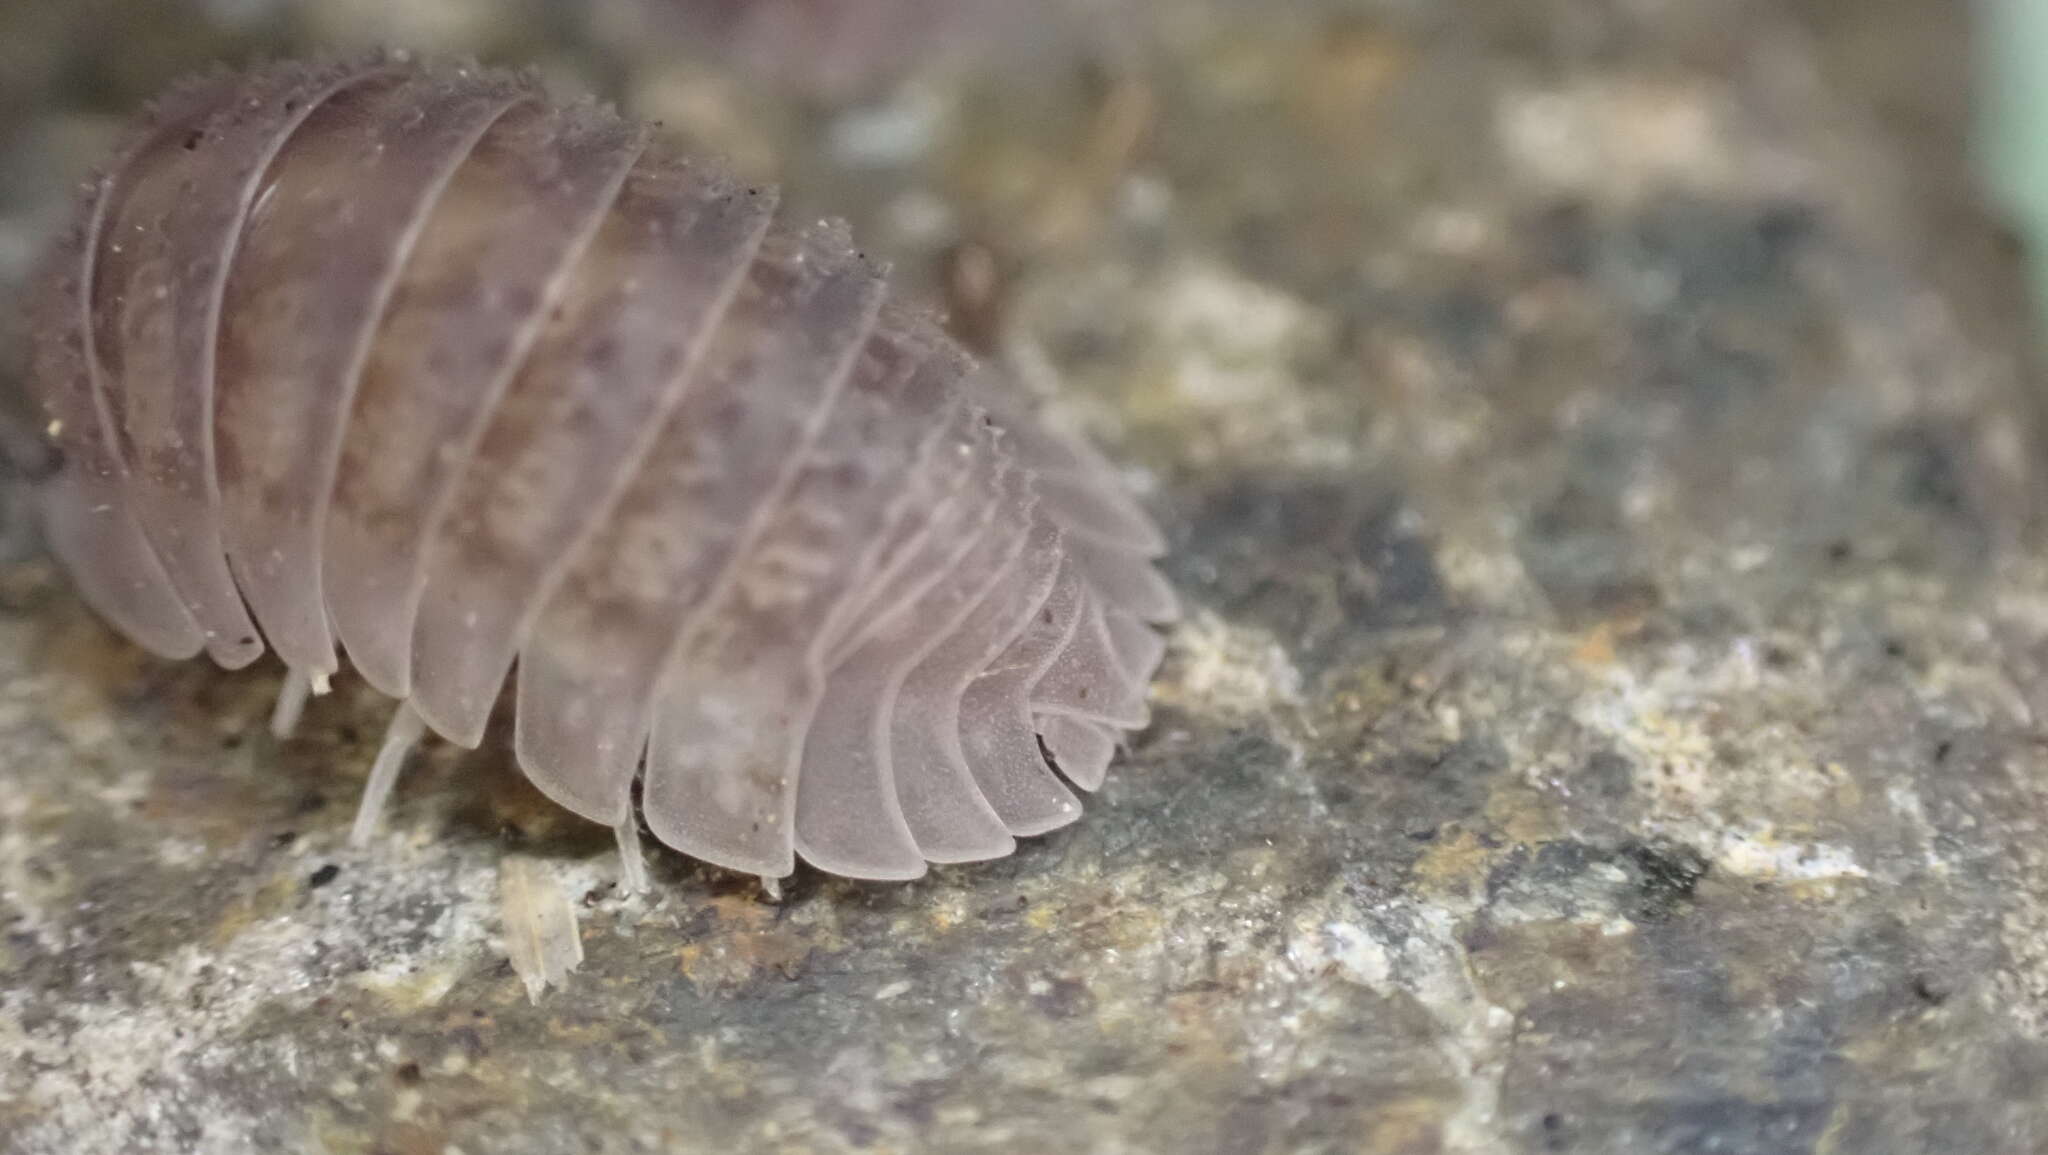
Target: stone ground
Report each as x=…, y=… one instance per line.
x=1600, y=449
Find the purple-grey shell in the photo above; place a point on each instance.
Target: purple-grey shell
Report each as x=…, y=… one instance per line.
x=402, y=360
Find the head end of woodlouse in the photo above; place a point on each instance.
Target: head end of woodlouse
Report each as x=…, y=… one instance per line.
x=31, y=441
x=28, y=454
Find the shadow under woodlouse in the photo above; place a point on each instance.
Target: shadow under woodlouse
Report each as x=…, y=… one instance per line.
x=400, y=359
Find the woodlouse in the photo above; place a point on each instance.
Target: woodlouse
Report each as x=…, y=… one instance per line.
x=401, y=357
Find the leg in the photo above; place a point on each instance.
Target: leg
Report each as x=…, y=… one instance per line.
x=406, y=729
x=291, y=703
x=632, y=864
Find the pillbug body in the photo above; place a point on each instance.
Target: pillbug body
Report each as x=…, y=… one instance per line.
x=400, y=360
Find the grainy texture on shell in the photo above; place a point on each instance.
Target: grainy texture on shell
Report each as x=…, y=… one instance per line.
x=399, y=356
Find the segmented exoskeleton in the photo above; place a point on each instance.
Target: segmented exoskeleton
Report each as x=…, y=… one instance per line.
x=401, y=359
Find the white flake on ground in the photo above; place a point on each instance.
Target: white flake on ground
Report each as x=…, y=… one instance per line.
x=538, y=923
x=1757, y=854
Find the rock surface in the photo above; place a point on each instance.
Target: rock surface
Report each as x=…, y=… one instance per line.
x=1601, y=453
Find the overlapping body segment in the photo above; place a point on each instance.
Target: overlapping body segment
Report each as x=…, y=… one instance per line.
x=174, y=209
x=720, y=471
x=573, y=434
x=744, y=678
x=492, y=261
x=400, y=356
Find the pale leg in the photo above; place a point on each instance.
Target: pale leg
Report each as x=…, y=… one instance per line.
x=632, y=863
x=291, y=703
x=406, y=729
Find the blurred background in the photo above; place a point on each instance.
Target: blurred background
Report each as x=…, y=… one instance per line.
x=1602, y=446
x=885, y=105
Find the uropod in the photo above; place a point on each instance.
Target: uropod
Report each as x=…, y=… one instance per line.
x=401, y=360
